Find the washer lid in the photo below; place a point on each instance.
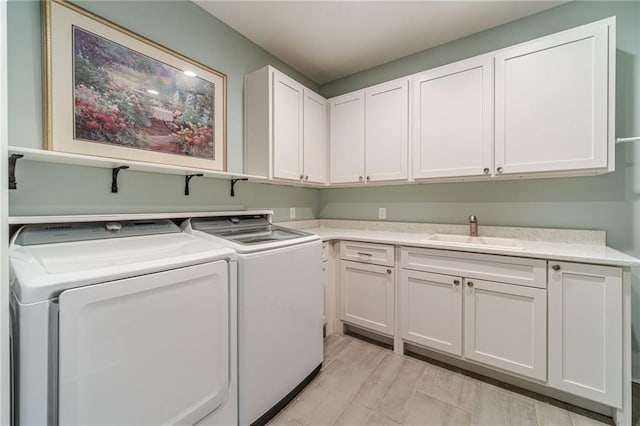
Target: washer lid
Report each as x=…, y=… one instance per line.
x=246, y=234
x=272, y=234
x=42, y=271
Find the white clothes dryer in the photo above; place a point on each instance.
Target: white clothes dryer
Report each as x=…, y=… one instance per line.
x=280, y=304
x=122, y=323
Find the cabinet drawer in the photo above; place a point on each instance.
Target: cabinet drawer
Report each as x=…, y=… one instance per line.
x=506, y=269
x=377, y=254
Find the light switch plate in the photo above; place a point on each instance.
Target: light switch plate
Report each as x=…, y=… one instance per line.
x=292, y=213
x=382, y=213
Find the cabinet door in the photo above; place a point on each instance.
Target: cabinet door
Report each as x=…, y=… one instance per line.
x=325, y=280
x=386, y=131
x=552, y=102
x=453, y=120
x=315, y=138
x=506, y=327
x=585, y=331
x=346, y=114
x=367, y=296
x=431, y=310
x=287, y=127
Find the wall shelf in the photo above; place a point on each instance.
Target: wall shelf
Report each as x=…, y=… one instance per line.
x=45, y=156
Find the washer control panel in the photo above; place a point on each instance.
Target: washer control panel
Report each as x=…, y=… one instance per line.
x=67, y=232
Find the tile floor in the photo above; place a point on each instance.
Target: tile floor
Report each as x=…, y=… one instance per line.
x=365, y=384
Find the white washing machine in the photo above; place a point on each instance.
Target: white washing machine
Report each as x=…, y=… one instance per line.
x=280, y=304
x=122, y=323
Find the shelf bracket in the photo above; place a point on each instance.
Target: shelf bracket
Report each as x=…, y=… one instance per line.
x=114, y=178
x=188, y=178
x=233, y=184
x=13, y=158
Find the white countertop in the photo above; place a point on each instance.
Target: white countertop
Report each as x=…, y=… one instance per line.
x=583, y=253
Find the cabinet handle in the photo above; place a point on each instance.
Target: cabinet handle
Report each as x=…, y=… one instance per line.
x=389, y=271
x=500, y=169
x=368, y=178
x=486, y=170
x=361, y=253
x=470, y=283
x=306, y=178
x=301, y=176
x=360, y=178
x=556, y=267
x=456, y=282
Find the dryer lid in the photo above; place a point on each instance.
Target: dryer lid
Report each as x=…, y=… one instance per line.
x=42, y=268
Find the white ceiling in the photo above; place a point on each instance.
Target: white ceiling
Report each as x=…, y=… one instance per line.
x=327, y=40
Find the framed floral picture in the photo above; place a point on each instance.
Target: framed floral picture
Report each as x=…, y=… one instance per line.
x=109, y=92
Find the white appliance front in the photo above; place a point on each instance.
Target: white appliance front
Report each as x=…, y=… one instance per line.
x=280, y=324
x=147, y=350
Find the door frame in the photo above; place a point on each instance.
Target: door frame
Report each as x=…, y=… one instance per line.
x=5, y=373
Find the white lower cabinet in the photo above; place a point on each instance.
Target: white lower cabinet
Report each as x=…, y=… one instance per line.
x=562, y=325
x=431, y=310
x=367, y=296
x=506, y=327
x=504, y=324
x=585, y=331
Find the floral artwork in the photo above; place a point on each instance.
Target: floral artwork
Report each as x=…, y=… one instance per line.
x=125, y=98
x=112, y=94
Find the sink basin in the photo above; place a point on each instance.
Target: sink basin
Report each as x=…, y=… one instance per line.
x=465, y=240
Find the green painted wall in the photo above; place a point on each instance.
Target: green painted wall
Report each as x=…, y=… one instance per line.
x=610, y=202
x=181, y=26
x=56, y=189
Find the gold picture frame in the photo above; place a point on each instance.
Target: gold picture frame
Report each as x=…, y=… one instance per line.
x=110, y=92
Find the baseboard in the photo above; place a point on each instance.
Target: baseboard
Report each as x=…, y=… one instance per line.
x=514, y=383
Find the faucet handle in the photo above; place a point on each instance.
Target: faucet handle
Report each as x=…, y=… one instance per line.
x=473, y=218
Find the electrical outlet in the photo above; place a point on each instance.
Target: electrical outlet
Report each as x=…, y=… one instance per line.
x=382, y=213
x=292, y=213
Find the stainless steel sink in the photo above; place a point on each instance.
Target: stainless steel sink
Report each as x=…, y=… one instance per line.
x=466, y=241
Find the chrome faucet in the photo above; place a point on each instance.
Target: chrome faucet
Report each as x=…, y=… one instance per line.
x=473, y=225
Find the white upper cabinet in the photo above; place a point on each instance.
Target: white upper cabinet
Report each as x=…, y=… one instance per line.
x=554, y=102
x=315, y=138
x=369, y=134
x=346, y=114
x=285, y=128
x=386, y=131
x=453, y=120
x=288, y=98
x=541, y=108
